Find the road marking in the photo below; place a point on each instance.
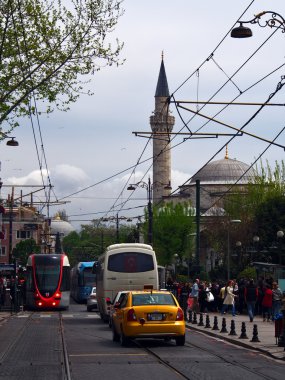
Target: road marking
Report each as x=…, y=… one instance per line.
x=112, y=354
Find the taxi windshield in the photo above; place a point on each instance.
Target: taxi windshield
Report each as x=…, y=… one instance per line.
x=152, y=299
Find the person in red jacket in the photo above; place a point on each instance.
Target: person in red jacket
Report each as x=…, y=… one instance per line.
x=267, y=303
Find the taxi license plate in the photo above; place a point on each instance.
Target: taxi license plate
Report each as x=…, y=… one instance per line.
x=155, y=317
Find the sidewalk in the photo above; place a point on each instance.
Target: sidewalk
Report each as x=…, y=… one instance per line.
x=265, y=332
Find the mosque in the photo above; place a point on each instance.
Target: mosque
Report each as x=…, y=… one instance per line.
x=215, y=179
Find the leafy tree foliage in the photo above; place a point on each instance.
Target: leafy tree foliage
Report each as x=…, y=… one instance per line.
x=25, y=248
x=92, y=240
x=172, y=224
x=261, y=208
x=46, y=48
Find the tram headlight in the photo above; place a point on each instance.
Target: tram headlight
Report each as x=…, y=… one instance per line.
x=57, y=296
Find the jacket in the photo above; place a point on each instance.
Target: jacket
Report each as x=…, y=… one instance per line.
x=251, y=293
x=267, y=298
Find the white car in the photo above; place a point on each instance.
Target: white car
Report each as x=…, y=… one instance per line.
x=114, y=304
x=92, y=300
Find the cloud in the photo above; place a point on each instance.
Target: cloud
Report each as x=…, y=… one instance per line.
x=65, y=178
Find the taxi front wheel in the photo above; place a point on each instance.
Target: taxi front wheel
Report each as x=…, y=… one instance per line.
x=180, y=341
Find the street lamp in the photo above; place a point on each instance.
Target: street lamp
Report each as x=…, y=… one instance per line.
x=255, y=244
x=149, y=187
x=275, y=21
x=280, y=235
x=11, y=142
x=228, y=255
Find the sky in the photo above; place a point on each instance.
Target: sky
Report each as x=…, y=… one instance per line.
x=93, y=146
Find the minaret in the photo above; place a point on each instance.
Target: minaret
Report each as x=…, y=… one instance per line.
x=161, y=122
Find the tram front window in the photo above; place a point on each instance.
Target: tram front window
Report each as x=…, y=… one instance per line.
x=47, y=276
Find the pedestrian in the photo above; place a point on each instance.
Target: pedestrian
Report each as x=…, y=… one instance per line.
x=202, y=299
x=282, y=337
x=184, y=297
x=241, y=301
x=195, y=294
x=229, y=299
x=222, y=294
x=276, y=299
x=267, y=303
x=251, y=297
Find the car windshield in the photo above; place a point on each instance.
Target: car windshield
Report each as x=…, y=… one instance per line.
x=152, y=299
x=94, y=291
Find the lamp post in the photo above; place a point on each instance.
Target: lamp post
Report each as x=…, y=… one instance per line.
x=238, y=255
x=275, y=21
x=149, y=187
x=255, y=244
x=117, y=219
x=228, y=253
x=280, y=235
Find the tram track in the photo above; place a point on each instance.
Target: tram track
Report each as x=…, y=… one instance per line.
x=208, y=351
x=66, y=364
x=10, y=347
x=228, y=361
x=162, y=361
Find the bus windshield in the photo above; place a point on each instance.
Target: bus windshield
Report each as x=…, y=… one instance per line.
x=130, y=262
x=47, y=274
x=89, y=278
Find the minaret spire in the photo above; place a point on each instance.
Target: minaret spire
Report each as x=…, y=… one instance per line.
x=162, y=85
x=161, y=124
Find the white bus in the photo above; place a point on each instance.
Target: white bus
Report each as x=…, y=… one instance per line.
x=127, y=266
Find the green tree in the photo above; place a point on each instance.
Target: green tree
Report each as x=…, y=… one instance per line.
x=261, y=207
x=92, y=240
x=47, y=47
x=268, y=183
x=25, y=248
x=172, y=225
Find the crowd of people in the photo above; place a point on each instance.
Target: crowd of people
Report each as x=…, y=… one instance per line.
x=245, y=296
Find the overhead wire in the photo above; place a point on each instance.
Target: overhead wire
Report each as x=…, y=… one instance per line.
x=181, y=85
x=33, y=95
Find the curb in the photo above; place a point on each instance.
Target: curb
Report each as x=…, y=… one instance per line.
x=237, y=342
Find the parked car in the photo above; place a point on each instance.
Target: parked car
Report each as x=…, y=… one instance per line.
x=92, y=300
x=148, y=314
x=114, y=304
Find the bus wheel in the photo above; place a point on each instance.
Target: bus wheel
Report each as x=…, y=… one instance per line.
x=116, y=336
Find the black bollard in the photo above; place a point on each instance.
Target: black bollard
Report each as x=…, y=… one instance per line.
x=195, y=318
x=224, y=326
x=233, y=328
x=215, y=326
x=255, y=334
x=190, y=315
x=243, y=331
x=207, y=326
x=201, y=323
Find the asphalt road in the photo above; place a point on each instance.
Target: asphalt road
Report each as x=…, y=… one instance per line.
x=93, y=355
x=30, y=348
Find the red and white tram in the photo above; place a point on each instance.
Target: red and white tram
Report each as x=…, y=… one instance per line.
x=48, y=281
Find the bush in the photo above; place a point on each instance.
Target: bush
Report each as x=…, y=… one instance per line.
x=248, y=272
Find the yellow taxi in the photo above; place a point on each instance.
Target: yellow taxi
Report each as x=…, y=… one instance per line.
x=148, y=314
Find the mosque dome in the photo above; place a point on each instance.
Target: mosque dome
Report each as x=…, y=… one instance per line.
x=61, y=226
x=225, y=171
